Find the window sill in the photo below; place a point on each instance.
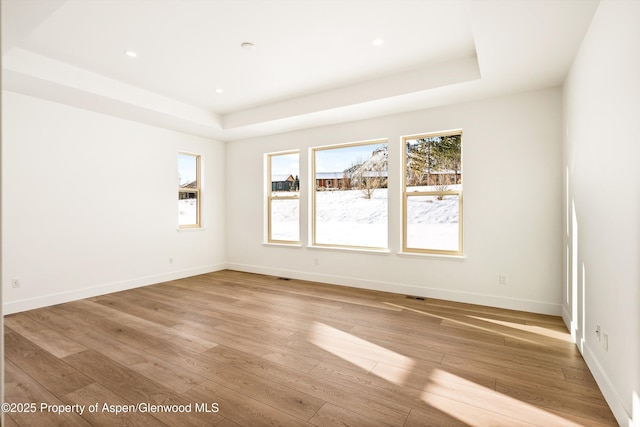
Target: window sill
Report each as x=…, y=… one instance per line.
x=367, y=251
x=282, y=245
x=190, y=229
x=458, y=258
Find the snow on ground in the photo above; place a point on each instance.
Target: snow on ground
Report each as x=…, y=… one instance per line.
x=347, y=218
x=285, y=224
x=187, y=211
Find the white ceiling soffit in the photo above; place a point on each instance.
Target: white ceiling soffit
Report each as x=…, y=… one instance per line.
x=313, y=64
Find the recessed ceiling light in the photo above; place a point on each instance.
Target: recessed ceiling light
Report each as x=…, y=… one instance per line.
x=377, y=42
x=131, y=54
x=219, y=90
x=248, y=46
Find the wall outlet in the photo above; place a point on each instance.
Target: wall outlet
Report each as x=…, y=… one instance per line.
x=316, y=261
x=605, y=341
x=598, y=330
x=170, y=260
x=15, y=283
x=502, y=279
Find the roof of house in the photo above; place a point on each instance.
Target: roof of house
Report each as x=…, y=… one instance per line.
x=280, y=178
x=329, y=175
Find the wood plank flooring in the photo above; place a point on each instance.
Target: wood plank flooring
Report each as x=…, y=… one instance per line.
x=237, y=349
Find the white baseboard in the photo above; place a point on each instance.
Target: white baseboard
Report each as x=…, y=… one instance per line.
x=107, y=288
x=623, y=417
x=400, y=288
x=566, y=317
x=602, y=379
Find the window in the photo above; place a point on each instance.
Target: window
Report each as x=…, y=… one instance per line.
x=188, y=190
x=354, y=213
x=283, y=197
x=432, y=196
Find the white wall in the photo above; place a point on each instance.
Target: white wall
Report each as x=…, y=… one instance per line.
x=512, y=206
x=602, y=203
x=90, y=204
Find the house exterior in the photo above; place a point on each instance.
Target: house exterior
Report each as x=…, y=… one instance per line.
x=331, y=180
x=282, y=182
x=444, y=178
x=182, y=195
x=448, y=177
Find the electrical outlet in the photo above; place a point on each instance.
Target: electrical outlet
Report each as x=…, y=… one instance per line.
x=170, y=260
x=605, y=341
x=15, y=283
x=503, y=279
x=598, y=331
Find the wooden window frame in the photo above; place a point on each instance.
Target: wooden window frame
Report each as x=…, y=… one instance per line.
x=271, y=198
x=314, y=240
x=406, y=195
x=196, y=191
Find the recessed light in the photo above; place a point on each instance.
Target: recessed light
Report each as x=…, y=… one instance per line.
x=219, y=90
x=131, y=54
x=248, y=46
x=377, y=42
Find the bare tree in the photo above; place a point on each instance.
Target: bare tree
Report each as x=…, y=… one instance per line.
x=367, y=176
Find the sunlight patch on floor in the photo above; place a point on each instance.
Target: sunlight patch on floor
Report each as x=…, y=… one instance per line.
x=358, y=351
x=465, y=324
x=538, y=330
x=455, y=389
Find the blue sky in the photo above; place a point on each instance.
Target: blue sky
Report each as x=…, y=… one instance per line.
x=186, y=168
x=285, y=164
x=327, y=160
x=339, y=159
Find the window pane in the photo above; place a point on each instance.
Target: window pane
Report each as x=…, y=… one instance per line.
x=347, y=218
x=283, y=192
x=351, y=195
x=285, y=181
x=433, y=166
x=187, y=208
x=285, y=220
x=433, y=223
x=188, y=190
x=434, y=162
x=187, y=170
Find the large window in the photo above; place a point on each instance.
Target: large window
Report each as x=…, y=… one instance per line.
x=432, y=196
x=350, y=195
x=188, y=190
x=283, y=197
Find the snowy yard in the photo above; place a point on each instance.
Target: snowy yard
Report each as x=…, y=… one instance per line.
x=187, y=211
x=347, y=218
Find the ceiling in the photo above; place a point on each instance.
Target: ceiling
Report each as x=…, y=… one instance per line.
x=313, y=62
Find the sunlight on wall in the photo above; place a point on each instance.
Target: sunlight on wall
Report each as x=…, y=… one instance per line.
x=574, y=276
x=583, y=299
x=359, y=352
x=567, y=216
x=446, y=391
x=635, y=422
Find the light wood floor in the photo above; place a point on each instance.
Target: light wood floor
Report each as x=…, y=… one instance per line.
x=273, y=352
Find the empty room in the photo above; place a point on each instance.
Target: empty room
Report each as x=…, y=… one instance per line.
x=320, y=213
